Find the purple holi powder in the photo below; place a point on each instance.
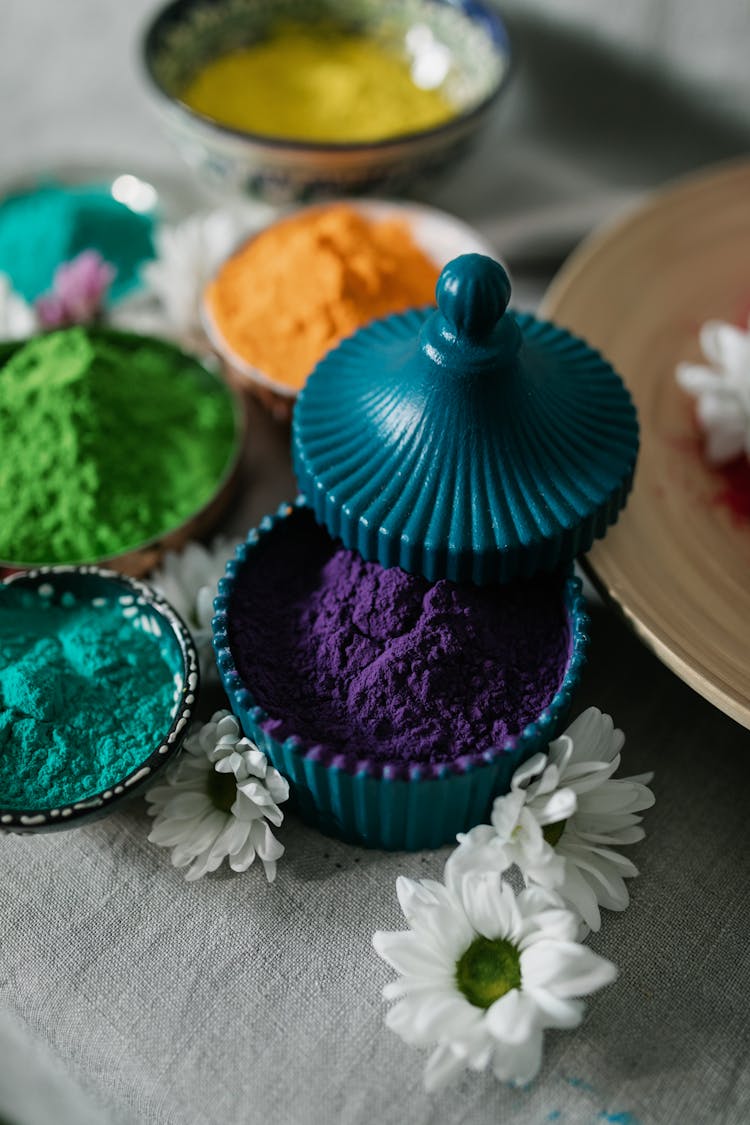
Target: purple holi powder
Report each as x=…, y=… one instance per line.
x=376, y=663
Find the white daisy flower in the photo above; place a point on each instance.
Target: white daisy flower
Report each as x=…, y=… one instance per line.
x=17, y=318
x=563, y=820
x=188, y=255
x=188, y=579
x=482, y=973
x=216, y=802
x=721, y=390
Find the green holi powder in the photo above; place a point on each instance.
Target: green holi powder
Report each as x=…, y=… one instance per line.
x=106, y=441
x=53, y=223
x=85, y=697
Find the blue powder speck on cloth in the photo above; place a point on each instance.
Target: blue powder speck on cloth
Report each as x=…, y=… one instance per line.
x=53, y=223
x=85, y=697
x=580, y=1084
x=623, y=1118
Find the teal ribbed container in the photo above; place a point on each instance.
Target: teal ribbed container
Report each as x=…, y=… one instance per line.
x=398, y=806
x=469, y=442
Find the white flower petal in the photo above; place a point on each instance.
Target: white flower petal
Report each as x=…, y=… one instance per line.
x=230, y=840
x=412, y=895
x=560, y=924
x=527, y=772
x=505, y=813
x=433, y=911
x=697, y=379
x=407, y=953
x=577, y=892
x=555, y=807
x=602, y=863
x=565, y=969
x=605, y=884
x=724, y=345
x=554, y=1011
x=512, y=1018
x=560, y=751
x=520, y=1063
x=269, y=868
x=490, y=905
x=200, y=832
x=17, y=318
x=442, y=1067
x=443, y=1013
x=187, y=805
x=243, y=858
x=265, y=843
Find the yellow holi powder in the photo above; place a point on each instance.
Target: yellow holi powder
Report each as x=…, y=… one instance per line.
x=316, y=84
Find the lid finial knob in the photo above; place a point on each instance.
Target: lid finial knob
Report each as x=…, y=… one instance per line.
x=472, y=333
x=473, y=292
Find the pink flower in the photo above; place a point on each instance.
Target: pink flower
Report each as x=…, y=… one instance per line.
x=78, y=291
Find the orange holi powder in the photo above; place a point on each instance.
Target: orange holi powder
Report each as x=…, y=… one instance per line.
x=298, y=288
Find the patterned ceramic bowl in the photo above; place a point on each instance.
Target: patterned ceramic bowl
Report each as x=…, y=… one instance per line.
x=393, y=805
x=441, y=236
x=146, y=611
x=189, y=33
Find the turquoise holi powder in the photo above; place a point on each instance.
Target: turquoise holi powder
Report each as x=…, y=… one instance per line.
x=85, y=697
x=53, y=223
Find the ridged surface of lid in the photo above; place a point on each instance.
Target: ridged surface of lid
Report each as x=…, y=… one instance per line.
x=467, y=442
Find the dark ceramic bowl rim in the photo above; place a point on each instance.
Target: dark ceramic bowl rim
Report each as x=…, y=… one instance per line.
x=475, y=11
x=534, y=734
x=231, y=468
x=98, y=804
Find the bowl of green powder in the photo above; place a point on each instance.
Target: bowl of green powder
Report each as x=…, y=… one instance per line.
x=113, y=448
x=98, y=681
x=289, y=101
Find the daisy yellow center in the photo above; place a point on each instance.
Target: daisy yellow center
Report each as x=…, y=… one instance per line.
x=487, y=970
x=221, y=789
x=553, y=832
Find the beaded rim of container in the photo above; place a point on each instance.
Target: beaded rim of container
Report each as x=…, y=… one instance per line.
x=474, y=11
x=533, y=735
x=70, y=815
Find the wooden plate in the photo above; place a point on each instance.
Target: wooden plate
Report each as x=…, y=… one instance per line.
x=678, y=561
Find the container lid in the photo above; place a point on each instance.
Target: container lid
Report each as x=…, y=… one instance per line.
x=467, y=442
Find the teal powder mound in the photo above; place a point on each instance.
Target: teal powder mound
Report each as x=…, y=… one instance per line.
x=42, y=228
x=85, y=697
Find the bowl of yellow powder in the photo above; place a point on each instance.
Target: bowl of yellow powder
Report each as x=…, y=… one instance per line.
x=296, y=289
x=292, y=101
x=98, y=682
x=114, y=447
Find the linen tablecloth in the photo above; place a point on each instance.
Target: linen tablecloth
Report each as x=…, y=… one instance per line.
x=127, y=996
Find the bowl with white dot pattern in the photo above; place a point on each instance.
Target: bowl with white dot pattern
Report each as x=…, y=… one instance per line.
x=135, y=605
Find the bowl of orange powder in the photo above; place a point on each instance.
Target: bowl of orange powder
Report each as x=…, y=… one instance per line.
x=292, y=292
